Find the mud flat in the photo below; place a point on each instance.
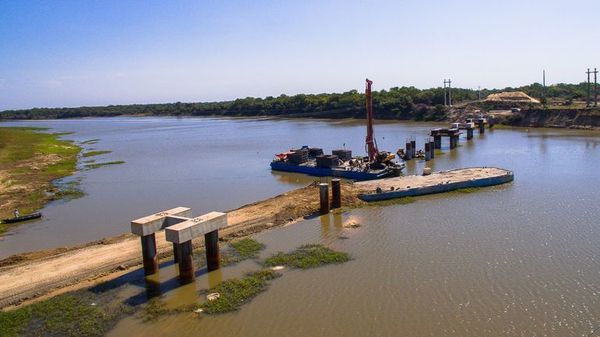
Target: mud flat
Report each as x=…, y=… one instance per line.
x=46, y=273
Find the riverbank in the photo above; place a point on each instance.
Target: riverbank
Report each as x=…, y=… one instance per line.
x=29, y=161
x=31, y=275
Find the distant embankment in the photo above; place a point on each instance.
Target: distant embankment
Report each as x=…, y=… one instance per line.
x=557, y=118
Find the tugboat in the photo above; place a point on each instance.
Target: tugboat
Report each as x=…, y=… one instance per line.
x=312, y=161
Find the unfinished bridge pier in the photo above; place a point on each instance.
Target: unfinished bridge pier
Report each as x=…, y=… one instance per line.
x=180, y=230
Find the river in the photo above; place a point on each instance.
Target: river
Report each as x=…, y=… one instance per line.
x=520, y=259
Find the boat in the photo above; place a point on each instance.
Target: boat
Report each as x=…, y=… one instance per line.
x=26, y=217
x=312, y=161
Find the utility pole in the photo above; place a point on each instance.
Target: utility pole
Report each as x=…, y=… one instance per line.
x=587, y=102
x=544, y=83
x=479, y=93
x=449, y=101
x=449, y=92
x=595, y=87
x=445, y=97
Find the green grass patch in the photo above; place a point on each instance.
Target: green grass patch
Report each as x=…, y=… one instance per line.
x=97, y=165
x=94, y=153
x=308, y=256
x=235, y=292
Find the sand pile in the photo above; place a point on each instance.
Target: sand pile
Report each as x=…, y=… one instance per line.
x=513, y=96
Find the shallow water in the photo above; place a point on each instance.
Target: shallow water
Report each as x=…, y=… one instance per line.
x=520, y=259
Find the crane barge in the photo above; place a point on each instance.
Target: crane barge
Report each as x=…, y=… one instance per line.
x=312, y=161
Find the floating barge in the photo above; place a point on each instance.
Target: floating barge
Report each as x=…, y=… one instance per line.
x=439, y=182
x=339, y=164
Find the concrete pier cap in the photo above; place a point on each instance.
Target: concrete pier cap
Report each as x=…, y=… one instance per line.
x=195, y=227
x=153, y=223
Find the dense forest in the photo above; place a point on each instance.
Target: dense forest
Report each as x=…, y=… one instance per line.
x=395, y=103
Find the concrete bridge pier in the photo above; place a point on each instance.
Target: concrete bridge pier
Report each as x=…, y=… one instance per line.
x=182, y=235
x=432, y=148
x=149, y=256
x=146, y=228
x=187, y=273
x=481, y=126
x=437, y=140
x=413, y=146
x=408, y=154
x=336, y=193
x=211, y=243
x=427, y=152
x=453, y=142
x=324, y=198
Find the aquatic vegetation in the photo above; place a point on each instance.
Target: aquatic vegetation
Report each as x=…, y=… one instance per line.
x=153, y=310
x=308, y=256
x=68, y=191
x=241, y=250
x=235, y=292
x=247, y=247
x=64, y=315
x=97, y=165
x=90, y=141
x=466, y=190
x=94, y=153
x=396, y=201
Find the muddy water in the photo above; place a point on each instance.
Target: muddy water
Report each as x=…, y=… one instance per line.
x=206, y=164
x=515, y=260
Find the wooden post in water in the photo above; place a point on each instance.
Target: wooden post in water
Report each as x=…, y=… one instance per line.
x=336, y=193
x=427, y=152
x=481, y=126
x=324, y=197
x=413, y=146
x=211, y=243
x=149, y=256
x=408, y=153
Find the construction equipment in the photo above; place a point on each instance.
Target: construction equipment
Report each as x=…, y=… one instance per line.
x=371, y=145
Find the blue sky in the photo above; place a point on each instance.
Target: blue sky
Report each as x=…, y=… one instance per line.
x=72, y=53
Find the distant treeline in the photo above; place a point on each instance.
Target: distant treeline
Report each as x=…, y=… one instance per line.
x=395, y=103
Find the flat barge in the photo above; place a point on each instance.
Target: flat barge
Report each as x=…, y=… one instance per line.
x=339, y=164
x=439, y=182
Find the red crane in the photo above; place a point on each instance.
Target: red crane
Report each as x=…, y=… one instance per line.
x=370, y=141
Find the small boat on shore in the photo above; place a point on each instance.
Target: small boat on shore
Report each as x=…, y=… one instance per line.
x=26, y=217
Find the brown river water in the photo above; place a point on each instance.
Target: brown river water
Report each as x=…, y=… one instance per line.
x=521, y=259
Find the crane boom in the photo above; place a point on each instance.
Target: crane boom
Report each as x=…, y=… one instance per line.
x=370, y=142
